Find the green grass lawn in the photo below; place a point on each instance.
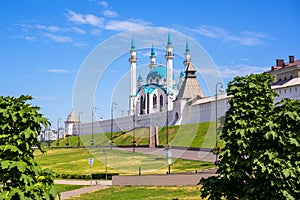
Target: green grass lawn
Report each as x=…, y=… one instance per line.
x=200, y=135
x=63, y=188
x=144, y=192
x=75, y=161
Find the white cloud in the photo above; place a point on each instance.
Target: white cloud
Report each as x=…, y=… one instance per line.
x=30, y=38
x=80, y=44
x=246, y=38
x=104, y=4
x=45, y=98
x=78, y=30
x=84, y=19
x=58, y=38
x=110, y=13
x=95, y=31
x=48, y=28
x=119, y=25
x=240, y=70
x=58, y=71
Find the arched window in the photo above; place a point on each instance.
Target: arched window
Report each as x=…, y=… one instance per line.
x=157, y=80
x=142, y=105
x=154, y=101
x=161, y=102
x=148, y=103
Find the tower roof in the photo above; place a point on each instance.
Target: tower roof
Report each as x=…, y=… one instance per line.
x=190, y=69
x=72, y=117
x=190, y=86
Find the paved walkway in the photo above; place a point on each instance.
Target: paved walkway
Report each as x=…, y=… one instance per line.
x=72, y=193
x=163, y=180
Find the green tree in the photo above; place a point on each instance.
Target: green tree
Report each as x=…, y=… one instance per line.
x=20, y=175
x=261, y=158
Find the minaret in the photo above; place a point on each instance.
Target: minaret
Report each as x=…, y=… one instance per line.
x=169, y=65
x=132, y=60
x=187, y=54
x=152, y=58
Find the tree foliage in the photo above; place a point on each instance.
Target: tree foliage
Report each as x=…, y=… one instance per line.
x=261, y=158
x=20, y=175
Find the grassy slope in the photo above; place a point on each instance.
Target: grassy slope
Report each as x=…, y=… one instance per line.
x=190, y=135
x=142, y=193
x=75, y=161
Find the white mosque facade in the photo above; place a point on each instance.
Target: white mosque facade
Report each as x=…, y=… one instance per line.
x=160, y=100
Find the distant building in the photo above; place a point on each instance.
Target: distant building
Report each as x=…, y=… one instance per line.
x=71, y=124
x=287, y=78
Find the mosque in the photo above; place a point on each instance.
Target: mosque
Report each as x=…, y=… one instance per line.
x=160, y=100
x=160, y=92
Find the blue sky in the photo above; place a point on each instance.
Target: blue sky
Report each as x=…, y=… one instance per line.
x=44, y=42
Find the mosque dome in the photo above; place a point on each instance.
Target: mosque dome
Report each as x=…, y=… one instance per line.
x=158, y=72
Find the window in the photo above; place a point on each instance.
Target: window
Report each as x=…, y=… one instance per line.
x=142, y=105
x=154, y=101
x=148, y=103
x=161, y=101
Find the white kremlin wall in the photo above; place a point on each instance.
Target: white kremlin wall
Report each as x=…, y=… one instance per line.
x=201, y=110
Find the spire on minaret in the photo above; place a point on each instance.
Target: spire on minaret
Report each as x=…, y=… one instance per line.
x=169, y=39
x=152, y=52
x=132, y=43
x=187, y=54
x=187, y=48
x=152, y=58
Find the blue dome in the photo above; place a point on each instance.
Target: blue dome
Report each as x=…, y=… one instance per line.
x=159, y=71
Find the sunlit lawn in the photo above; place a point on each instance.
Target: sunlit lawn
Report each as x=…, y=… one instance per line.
x=63, y=188
x=75, y=161
x=145, y=192
x=200, y=135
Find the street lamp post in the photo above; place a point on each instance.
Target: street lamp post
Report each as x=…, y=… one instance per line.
x=105, y=153
x=167, y=117
x=58, y=120
x=114, y=105
x=94, y=109
x=168, y=149
x=217, y=134
x=133, y=132
x=78, y=139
